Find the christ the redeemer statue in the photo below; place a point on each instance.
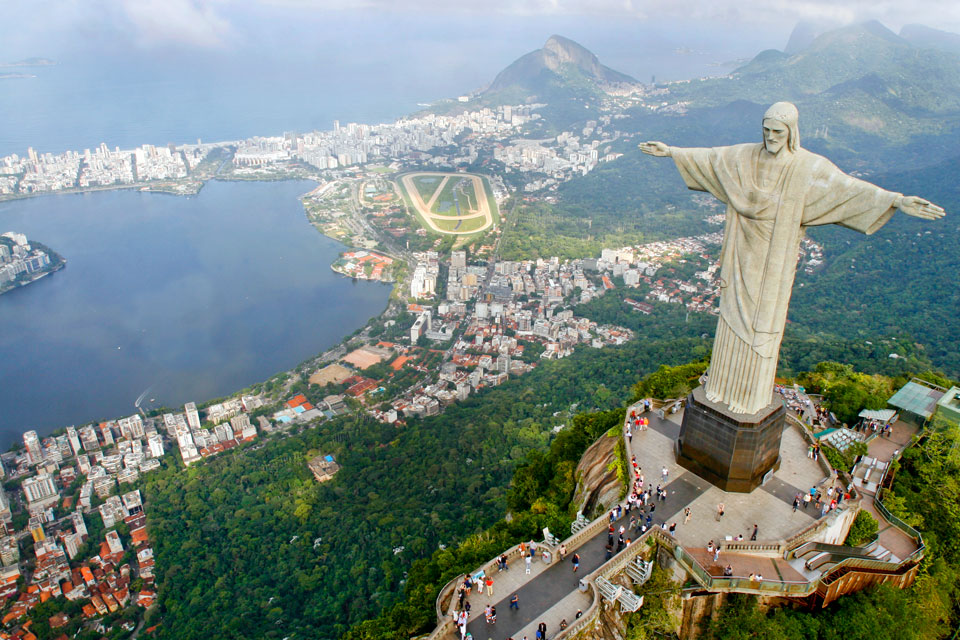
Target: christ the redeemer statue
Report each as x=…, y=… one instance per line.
x=773, y=191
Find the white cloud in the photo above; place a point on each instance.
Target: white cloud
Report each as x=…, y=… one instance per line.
x=190, y=22
x=944, y=14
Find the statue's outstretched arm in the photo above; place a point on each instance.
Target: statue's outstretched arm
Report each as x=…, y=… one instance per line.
x=918, y=207
x=658, y=149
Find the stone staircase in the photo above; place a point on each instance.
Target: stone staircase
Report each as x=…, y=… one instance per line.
x=868, y=473
x=628, y=600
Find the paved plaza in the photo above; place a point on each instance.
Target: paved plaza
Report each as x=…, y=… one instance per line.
x=550, y=592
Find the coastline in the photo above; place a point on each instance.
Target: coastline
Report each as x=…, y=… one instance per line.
x=37, y=277
x=288, y=371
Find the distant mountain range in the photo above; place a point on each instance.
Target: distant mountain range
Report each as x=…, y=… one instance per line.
x=855, y=86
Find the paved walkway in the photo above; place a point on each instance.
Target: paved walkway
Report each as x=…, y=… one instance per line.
x=886, y=449
x=550, y=593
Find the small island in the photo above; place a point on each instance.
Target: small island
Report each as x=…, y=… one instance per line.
x=23, y=262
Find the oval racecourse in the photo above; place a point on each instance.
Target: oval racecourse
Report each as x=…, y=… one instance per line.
x=449, y=203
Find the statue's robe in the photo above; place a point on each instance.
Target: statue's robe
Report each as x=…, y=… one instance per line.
x=761, y=242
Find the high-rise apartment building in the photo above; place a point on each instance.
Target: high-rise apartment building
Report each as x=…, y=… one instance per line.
x=32, y=443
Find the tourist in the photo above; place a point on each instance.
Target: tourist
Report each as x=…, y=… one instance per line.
x=720, y=508
x=673, y=528
x=664, y=473
x=542, y=630
x=563, y=624
x=489, y=584
x=515, y=602
x=728, y=571
x=579, y=613
x=563, y=552
x=576, y=562
x=686, y=515
x=753, y=536
x=527, y=560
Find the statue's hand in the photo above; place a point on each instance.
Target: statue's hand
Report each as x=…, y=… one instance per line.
x=655, y=149
x=914, y=206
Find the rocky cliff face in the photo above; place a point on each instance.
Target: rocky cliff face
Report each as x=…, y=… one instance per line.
x=597, y=484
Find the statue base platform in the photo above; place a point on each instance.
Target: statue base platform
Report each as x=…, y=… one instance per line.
x=733, y=451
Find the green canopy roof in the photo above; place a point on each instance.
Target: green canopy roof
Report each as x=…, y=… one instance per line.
x=916, y=398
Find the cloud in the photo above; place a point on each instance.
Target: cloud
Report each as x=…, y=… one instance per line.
x=190, y=22
x=944, y=14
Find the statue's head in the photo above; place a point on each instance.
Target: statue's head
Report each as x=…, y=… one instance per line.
x=780, y=128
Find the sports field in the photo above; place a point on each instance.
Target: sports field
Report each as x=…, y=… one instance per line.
x=451, y=203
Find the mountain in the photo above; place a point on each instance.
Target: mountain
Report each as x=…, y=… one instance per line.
x=929, y=38
x=804, y=33
x=858, y=86
x=558, y=62
x=565, y=76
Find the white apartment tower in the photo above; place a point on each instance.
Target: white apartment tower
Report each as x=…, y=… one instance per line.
x=193, y=418
x=156, y=446
x=131, y=427
x=74, y=439
x=32, y=443
x=107, y=433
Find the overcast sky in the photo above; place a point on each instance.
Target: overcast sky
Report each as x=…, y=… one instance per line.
x=33, y=26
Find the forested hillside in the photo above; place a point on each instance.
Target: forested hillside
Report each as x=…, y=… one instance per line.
x=251, y=546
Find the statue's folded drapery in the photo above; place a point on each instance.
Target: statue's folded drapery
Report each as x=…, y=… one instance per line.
x=760, y=247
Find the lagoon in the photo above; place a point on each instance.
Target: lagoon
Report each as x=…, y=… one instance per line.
x=186, y=298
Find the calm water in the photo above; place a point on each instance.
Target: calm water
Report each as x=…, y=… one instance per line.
x=192, y=298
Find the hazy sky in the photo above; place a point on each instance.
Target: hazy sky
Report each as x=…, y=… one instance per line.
x=36, y=27
x=134, y=71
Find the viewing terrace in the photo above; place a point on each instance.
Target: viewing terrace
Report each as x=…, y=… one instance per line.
x=797, y=553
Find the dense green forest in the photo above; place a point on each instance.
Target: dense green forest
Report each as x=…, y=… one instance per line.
x=250, y=546
x=802, y=347
x=540, y=496
x=899, y=282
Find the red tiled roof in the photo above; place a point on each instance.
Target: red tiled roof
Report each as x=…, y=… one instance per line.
x=296, y=401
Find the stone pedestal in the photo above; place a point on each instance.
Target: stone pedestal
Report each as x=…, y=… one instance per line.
x=733, y=451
